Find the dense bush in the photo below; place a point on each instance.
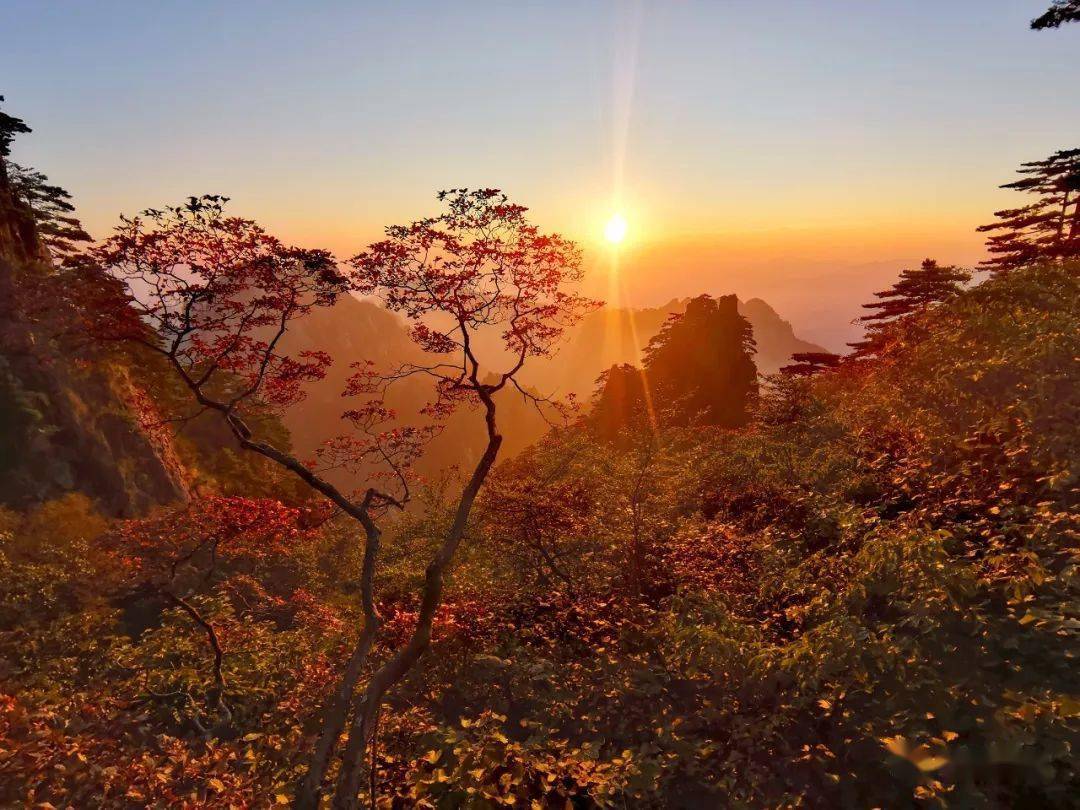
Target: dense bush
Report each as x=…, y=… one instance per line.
x=867, y=597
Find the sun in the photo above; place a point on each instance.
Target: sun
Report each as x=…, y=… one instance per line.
x=615, y=230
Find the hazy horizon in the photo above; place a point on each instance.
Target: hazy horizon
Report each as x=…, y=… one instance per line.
x=802, y=157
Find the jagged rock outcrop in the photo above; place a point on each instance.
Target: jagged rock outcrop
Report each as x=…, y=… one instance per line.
x=68, y=424
x=775, y=338
x=614, y=336
x=355, y=329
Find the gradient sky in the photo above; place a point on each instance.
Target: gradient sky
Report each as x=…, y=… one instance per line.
x=801, y=154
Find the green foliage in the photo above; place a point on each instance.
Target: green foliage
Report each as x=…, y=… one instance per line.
x=874, y=592
x=46, y=557
x=21, y=418
x=209, y=452
x=108, y=692
x=698, y=370
x=478, y=766
x=916, y=290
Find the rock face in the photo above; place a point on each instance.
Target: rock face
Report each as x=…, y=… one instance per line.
x=612, y=336
x=776, y=340
x=68, y=424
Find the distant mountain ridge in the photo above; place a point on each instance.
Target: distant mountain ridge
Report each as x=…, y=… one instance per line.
x=612, y=336
x=355, y=329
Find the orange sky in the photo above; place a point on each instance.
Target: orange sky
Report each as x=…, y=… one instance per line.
x=802, y=156
x=815, y=276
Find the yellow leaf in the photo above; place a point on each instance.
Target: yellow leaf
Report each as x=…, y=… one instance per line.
x=1070, y=707
x=931, y=763
x=896, y=745
x=281, y=798
x=216, y=784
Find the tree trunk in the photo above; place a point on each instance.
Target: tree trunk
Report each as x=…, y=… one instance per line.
x=337, y=711
x=334, y=718
x=367, y=710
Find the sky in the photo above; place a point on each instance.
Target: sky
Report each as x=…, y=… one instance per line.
x=800, y=152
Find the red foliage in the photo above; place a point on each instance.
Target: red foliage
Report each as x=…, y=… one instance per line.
x=469, y=619
x=217, y=293
x=719, y=560
x=481, y=266
x=222, y=528
x=81, y=757
x=378, y=446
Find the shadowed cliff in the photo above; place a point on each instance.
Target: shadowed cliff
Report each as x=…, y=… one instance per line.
x=69, y=422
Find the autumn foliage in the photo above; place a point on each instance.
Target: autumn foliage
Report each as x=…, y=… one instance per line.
x=853, y=586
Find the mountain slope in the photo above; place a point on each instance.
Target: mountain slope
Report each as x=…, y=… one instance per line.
x=67, y=422
x=355, y=330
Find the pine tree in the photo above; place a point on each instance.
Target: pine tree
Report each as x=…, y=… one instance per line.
x=1047, y=229
x=10, y=126
x=1059, y=13
x=700, y=365
x=930, y=283
x=808, y=364
x=58, y=229
x=19, y=237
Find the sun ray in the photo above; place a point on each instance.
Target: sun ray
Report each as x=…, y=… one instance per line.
x=615, y=230
x=628, y=35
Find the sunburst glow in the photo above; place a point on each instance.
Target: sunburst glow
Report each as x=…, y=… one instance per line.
x=615, y=230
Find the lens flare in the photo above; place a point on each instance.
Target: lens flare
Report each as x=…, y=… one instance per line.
x=615, y=230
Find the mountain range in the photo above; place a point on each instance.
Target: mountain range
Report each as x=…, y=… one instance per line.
x=356, y=329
